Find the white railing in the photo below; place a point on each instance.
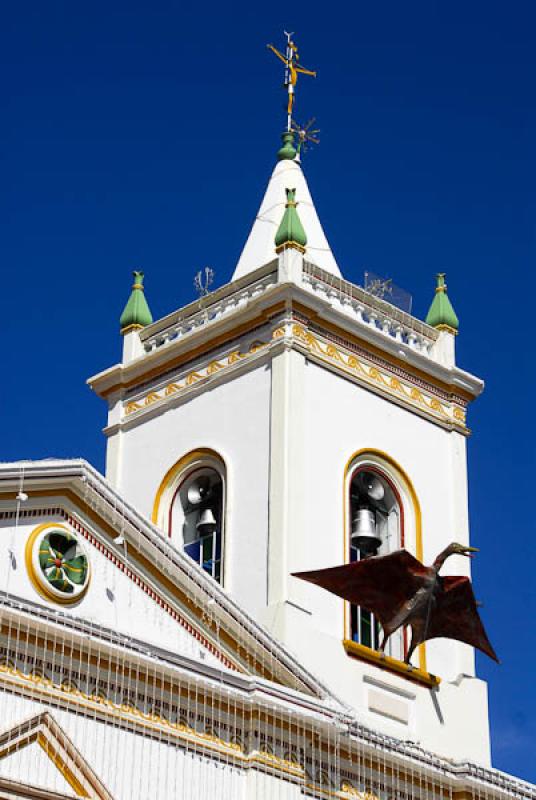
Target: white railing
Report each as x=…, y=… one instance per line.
x=369, y=310
x=208, y=309
x=352, y=300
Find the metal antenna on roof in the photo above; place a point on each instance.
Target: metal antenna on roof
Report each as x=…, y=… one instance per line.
x=202, y=283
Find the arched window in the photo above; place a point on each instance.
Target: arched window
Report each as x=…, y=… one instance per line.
x=376, y=527
x=190, y=507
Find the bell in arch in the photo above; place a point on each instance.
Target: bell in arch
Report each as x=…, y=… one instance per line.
x=364, y=534
x=206, y=523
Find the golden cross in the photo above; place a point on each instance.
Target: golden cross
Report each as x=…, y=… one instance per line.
x=293, y=67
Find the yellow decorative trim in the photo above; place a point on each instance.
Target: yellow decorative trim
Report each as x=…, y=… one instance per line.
x=290, y=245
x=60, y=765
x=381, y=456
x=197, y=375
x=129, y=328
x=71, y=695
x=459, y=414
x=391, y=664
x=50, y=736
x=132, y=716
x=100, y=707
x=353, y=792
x=447, y=328
x=379, y=378
x=39, y=587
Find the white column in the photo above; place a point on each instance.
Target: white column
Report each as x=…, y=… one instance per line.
x=444, y=349
x=286, y=472
x=132, y=346
x=290, y=267
x=114, y=437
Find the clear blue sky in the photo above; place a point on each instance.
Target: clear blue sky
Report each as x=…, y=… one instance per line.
x=141, y=135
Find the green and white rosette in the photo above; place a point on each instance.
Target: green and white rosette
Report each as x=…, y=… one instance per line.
x=58, y=563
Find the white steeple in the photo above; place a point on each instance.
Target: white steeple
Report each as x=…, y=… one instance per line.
x=260, y=248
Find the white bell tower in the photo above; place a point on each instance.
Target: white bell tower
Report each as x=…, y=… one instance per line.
x=291, y=420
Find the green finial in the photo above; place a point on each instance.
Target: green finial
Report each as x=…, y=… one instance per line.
x=441, y=314
x=290, y=232
x=136, y=313
x=287, y=151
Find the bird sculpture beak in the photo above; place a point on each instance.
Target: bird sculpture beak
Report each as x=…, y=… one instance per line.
x=469, y=550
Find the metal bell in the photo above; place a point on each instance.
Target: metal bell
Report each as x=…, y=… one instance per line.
x=206, y=523
x=364, y=535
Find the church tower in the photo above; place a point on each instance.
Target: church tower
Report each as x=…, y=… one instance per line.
x=290, y=421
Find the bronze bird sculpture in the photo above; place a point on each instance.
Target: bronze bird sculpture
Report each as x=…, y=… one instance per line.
x=399, y=591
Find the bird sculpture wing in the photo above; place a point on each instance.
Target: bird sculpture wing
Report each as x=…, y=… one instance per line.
x=381, y=584
x=456, y=616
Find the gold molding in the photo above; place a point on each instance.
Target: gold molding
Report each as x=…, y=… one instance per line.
x=447, y=328
x=123, y=379
x=406, y=481
x=381, y=378
x=133, y=327
x=68, y=696
x=291, y=245
x=391, y=664
x=44, y=729
x=38, y=586
x=213, y=367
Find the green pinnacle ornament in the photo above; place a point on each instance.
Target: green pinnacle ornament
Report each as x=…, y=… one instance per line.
x=290, y=232
x=136, y=313
x=441, y=314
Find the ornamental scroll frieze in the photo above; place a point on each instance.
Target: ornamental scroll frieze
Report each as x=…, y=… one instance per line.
x=216, y=366
x=377, y=377
x=66, y=685
x=380, y=378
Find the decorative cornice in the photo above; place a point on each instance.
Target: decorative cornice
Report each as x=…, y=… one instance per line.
x=380, y=376
x=391, y=664
x=382, y=380
x=248, y=752
x=58, y=747
x=192, y=334
x=176, y=388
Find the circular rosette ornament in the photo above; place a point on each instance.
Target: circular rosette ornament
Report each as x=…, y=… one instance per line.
x=58, y=563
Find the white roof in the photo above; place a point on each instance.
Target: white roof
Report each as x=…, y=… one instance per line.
x=260, y=247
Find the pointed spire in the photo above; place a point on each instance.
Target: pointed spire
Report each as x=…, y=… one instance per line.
x=441, y=314
x=290, y=232
x=287, y=151
x=136, y=313
x=259, y=247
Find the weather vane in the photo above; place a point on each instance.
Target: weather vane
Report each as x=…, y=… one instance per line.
x=306, y=134
x=291, y=60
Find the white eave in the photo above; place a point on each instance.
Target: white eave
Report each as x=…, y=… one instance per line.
x=140, y=534
x=157, y=358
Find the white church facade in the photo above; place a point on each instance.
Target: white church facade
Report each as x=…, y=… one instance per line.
x=154, y=642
